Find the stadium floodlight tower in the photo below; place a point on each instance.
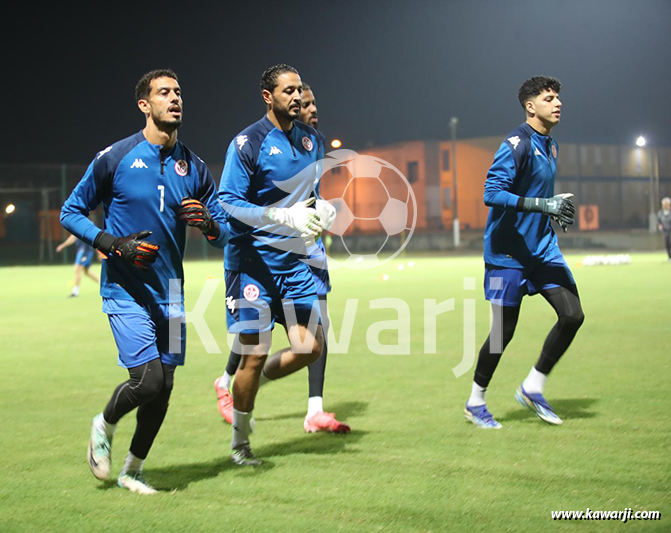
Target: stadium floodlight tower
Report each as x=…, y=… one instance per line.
x=641, y=142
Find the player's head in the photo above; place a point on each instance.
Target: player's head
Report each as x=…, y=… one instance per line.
x=666, y=203
x=309, y=108
x=539, y=96
x=159, y=97
x=281, y=89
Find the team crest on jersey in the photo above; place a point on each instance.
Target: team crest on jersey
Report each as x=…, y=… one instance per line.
x=251, y=292
x=181, y=167
x=554, y=151
x=307, y=144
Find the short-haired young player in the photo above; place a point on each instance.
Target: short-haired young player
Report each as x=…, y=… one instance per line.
x=521, y=253
x=152, y=187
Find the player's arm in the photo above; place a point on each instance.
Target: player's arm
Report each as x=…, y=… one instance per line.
x=204, y=211
x=233, y=198
x=67, y=242
x=499, y=184
x=85, y=197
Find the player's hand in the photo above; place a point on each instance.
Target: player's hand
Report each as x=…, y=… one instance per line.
x=195, y=214
x=563, y=223
x=327, y=214
x=133, y=249
x=300, y=217
x=560, y=207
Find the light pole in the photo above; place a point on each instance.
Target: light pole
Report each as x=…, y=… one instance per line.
x=652, y=217
x=455, y=209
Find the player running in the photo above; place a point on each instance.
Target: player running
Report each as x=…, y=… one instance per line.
x=267, y=188
x=521, y=251
x=316, y=418
x=152, y=186
x=83, y=262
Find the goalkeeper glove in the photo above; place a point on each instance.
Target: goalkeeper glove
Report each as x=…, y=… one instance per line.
x=327, y=214
x=299, y=217
x=132, y=248
x=195, y=214
x=560, y=207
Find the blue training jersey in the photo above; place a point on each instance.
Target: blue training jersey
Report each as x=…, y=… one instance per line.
x=141, y=188
x=524, y=166
x=267, y=167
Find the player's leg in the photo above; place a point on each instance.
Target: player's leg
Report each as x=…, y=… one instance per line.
x=504, y=288
x=316, y=418
x=501, y=333
x=144, y=383
x=150, y=417
x=76, y=281
x=135, y=336
x=222, y=387
x=245, y=387
x=94, y=277
x=560, y=291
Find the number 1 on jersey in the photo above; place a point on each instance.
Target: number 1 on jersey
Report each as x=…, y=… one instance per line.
x=162, y=189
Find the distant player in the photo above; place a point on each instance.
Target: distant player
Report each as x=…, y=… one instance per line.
x=267, y=188
x=522, y=256
x=152, y=187
x=316, y=418
x=664, y=223
x=83, y=261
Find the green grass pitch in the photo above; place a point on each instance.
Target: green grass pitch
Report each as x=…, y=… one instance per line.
x=411, y=463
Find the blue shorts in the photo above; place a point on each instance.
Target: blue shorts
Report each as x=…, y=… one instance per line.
x=254, y=302
x=507, y=286
x=322, y=280
x=143, y=333
x=84, y=259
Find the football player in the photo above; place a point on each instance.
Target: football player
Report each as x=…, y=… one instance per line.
x=521, y=253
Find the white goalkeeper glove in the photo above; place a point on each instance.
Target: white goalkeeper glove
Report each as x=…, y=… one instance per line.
x=327, y=214
x=300, y=217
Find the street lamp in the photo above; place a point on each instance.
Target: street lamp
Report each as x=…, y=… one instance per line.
x=654, y=173
x=336, y=143
x=455, y=212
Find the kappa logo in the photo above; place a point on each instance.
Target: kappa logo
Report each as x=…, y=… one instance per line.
x=230, y=303
x=241, y=140
x=537, y=152
x=514, y=141
x=274, y=150
x=138, y=163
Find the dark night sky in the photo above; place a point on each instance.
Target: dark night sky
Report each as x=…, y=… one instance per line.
x=381, y=71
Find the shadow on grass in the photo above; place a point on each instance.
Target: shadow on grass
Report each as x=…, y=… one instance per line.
x=569, y=409
x=180, y=476
x=313, y=444
x=343, y=411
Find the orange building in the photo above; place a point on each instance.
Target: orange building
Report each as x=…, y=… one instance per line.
x=428, y=166
x=616, y=179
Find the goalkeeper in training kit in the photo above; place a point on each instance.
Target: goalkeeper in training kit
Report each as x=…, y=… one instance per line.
x=152, y=187
x=522, y=256
x=268, y=190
